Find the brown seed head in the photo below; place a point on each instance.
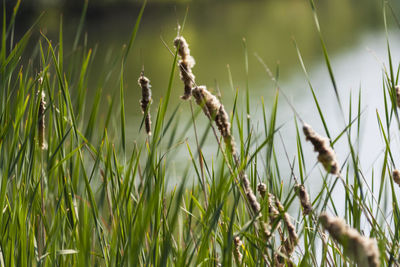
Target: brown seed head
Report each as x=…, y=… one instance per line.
x=396, y=176
x=293, y=238
x=361, y=249
x=397, y=88
x=186, y=63
x=326, y=155
x=304, y=199
x=236, y=252
x=255, y=206
x=41, y=122
x=262, y=189
x=144, y=83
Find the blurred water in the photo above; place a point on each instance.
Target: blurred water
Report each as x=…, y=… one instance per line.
x=215, y=32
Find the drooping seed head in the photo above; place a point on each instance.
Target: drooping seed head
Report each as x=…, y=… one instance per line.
x=293, y=238
x=255, y=206
x=326, y=155
x=361, y=249
x=304, y=199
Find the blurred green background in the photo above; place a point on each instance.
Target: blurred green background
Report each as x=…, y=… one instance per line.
x=215, y=31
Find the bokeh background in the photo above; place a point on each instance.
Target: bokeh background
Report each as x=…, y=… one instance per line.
x=353, y=31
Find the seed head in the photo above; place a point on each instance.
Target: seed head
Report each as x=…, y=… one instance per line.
x=396, y=176
x=397, y=88
x=255, y=206
x=326, y=155
x=213, y=108
x=304, y=199
x=41, y=122
x=262, y=189
x=361, y=249
x=144, y=83
x=186, y=63
x=293, y=238
x=236, y=252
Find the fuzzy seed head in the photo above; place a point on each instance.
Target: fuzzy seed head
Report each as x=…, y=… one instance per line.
x=262, y=189
x=236, y=252
x=208, y=101
x=41, y=122
x=361, y=249
x=144, y=83
x=224, y=127
x=304, y=199
x=396, y=176
x=293, y=238
x=186, y=63
x=397, y=88
x=255, y=206
x=326, y=155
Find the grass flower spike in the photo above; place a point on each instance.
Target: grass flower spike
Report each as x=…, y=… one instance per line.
x=236, y=252
x=361, y=249
x=186, y=63
x=41, y=122
x=304, y=199
x=213, y=108
x=144, y=83
x=326, y=155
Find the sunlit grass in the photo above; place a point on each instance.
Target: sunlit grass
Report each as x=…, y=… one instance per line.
x=87, y=198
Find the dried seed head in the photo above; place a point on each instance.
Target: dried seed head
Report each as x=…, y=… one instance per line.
x=213, y=108
x=236, y=252
x=186, y=63
x=265, y=229
x=326, y=155
x=304, y=199
x=361, y=249
x=273, y=212
x=397, y=88
x=224, y=127
x=293, y=238
x=396, y=176
x=262, y=189
x=144, y=83
x=208, y=101
x=41, y=122
x=255, y=206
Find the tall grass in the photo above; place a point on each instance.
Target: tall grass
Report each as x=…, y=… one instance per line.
x=89, y=199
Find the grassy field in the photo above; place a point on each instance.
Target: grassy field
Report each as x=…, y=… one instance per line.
x=75, y=192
